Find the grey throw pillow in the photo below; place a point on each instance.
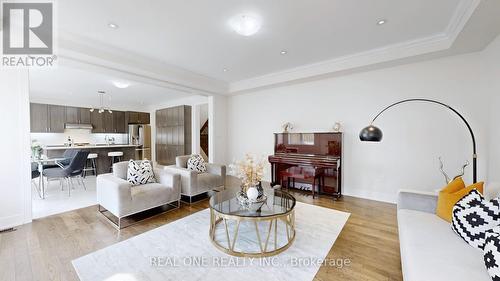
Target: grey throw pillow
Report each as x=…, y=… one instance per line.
x=140, y=173
x=196, y=163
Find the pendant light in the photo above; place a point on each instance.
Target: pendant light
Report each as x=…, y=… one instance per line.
x=101, y=108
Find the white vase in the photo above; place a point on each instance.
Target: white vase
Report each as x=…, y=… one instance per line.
x=252, y=193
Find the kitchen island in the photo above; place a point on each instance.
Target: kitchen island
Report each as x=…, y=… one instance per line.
x=102, y=150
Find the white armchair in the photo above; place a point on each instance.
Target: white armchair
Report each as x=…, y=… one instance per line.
x=120, y=198
x=194, y=183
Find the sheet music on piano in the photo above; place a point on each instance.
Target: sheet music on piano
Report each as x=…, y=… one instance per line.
x=320, y=150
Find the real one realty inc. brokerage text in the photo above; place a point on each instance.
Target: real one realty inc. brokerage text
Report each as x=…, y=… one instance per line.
x=201, y=261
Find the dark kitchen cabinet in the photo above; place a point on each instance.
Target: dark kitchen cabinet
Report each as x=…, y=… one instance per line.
x=173, y=133
x=72, y=115
x=134, y=117
x=108, y=122
x=105, y=122
x=97, y=121
x=119, y=122
x=77, y=115
x=144, y=118
x=84, y=115
x=39, y=118
x=57, y=118
x=46, y=118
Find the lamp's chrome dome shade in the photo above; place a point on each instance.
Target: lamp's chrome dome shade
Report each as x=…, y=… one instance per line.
x=371, y=133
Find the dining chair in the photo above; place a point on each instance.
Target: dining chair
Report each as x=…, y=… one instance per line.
x=35, y=174
x=73, y=170
x=68, y=154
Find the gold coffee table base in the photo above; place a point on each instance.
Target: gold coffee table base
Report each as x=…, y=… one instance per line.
x=264, y=246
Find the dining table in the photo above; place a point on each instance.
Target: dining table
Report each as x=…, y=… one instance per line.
x=44, y=160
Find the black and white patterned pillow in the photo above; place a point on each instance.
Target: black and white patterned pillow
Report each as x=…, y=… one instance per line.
x=471, y=199
x=140, y=173
x=473, y=216
x=196, y=163
x=491, y=253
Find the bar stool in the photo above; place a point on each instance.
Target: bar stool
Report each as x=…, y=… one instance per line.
x=116, y=156
x=91, y=164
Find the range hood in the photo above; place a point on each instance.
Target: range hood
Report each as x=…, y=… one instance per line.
x=78, y=126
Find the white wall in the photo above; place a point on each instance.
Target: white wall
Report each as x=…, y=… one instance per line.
x=217, y=129
x=15, y=172
x=414, y=134
x=492, y=59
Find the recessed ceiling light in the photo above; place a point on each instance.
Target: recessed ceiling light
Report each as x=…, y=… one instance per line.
x=225, y=70
x=381, y=22
x=121, y=84
x=113, y=25
x=244, y=24
x=283, y=52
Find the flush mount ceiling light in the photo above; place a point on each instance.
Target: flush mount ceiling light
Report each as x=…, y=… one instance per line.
x=381, y=22
x=283, y=52
x=121, y=84
x=101, y=108
x=113, y=25
x=244, y=24
x=225, y=70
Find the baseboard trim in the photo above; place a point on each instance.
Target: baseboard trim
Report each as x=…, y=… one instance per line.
x=12, y=221
x=372, y=196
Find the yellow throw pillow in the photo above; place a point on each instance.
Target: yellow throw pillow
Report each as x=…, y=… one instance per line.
x=450, y=195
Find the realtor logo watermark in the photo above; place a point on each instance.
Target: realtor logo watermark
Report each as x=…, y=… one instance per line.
x=28, y=34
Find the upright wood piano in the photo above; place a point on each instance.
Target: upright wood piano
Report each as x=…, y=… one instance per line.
x=318, y=150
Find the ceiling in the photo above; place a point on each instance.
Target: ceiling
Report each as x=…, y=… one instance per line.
x=71, y=86
x=195, y=34
x=190, y=43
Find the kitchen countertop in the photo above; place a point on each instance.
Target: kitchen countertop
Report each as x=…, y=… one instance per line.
x=90, y=146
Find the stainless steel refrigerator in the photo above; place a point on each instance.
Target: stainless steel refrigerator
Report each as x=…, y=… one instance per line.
x=140, y=135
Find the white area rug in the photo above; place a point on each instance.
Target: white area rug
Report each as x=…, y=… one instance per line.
x=182, y=251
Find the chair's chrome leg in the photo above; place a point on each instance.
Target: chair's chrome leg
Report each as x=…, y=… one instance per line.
x=61, y=184
x=69, y=187
x=83, y=183
x=36, y=188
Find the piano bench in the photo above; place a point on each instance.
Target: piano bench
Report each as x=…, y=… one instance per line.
x=304, y=173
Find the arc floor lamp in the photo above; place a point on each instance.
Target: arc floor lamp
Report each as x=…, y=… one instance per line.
x=374, y=134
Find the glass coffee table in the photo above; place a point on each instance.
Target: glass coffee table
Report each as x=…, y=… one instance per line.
x=256, y=230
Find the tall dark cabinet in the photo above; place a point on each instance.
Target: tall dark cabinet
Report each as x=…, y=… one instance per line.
x=173, y=133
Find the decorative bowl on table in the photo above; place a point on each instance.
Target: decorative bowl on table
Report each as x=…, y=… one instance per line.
x=250, y=203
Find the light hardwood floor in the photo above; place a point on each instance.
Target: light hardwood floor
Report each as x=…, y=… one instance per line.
x=43, y=250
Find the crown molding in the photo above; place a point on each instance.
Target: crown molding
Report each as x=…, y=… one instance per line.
x=81, y=52
x=75, y=51
x=439, y=42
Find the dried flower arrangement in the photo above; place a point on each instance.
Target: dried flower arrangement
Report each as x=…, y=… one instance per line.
x=250, y=170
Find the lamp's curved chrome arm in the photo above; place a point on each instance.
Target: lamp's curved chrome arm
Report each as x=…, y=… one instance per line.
x=474, y=155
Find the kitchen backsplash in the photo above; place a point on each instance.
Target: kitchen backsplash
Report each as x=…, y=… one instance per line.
x=78, y=136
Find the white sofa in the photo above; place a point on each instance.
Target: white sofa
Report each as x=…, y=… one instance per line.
x=119, y=197
x=194, y=183
x=430, y=250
